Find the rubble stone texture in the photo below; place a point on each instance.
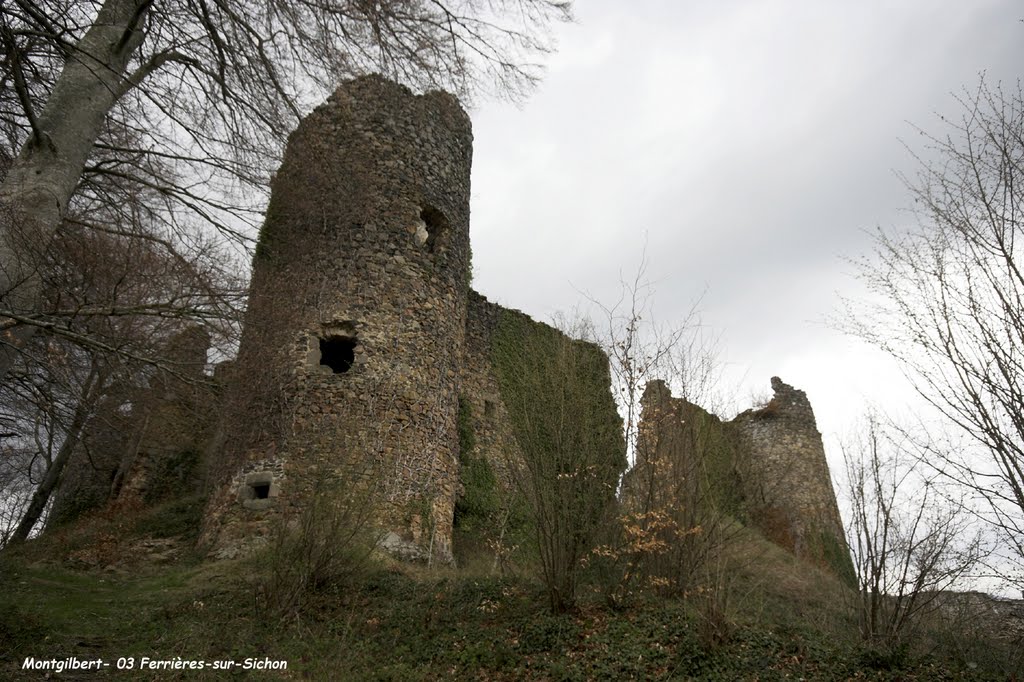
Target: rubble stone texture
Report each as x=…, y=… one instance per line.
x=349, y=364
x=363, y=339
x=769, y=463
x=787, y=479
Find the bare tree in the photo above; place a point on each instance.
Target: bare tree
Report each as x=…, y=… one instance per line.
x=115, y=303
x=192, y=99
x=557, y=391
x=910, y=543
x=673, y=516
x=55, y=408
x=639, y=350
x=948, y=299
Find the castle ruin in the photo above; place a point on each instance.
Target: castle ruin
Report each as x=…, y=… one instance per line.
x=362, y=332
x=766, y=466
x=366, y=358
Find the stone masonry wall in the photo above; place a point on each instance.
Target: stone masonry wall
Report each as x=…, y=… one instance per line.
x=495, y=439
x=685, y=456
x=766, y=465
x=362, y=336
x=787, y=481
x=347, y=373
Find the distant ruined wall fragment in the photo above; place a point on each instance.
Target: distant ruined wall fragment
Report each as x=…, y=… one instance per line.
x=788, y=484
x=766, y=466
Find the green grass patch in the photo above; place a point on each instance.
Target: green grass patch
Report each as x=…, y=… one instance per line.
x=397, y=624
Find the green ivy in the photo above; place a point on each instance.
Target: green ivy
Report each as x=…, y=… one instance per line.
x=264, y=241
x=838, y=558
x=174, y=475
x=717, y=444
x=479, y=501
x=557, y=390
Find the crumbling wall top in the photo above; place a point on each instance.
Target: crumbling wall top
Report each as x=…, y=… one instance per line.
x=373, y=87
x=787, y=403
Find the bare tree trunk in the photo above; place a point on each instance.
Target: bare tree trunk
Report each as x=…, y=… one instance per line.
x=56, y=468
x=35, y=194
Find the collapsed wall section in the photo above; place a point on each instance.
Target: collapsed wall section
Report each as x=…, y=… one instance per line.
x=347, y=373
x=767, y=467
x=538, y=420
x=787, y=480
x=685, y=457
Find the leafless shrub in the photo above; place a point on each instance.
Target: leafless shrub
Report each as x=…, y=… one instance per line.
x=673, y=516
x=909, y=543
x=325, y=545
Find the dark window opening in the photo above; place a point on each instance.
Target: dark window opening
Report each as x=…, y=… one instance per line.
x=338, y=353
x=437, y=227
x=261, y=491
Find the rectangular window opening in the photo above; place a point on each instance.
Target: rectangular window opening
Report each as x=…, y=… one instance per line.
x=338, y=353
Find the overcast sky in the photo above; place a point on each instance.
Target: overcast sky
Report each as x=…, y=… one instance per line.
x=751, y=144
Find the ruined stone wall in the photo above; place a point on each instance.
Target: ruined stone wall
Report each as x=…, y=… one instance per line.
x=348, y=368
x=516, y=374
x=485, y=526
x=767, y=467
x=365, y=356
x=143, y=443
x=685, y=456
x=787, y=481
x=495, y=438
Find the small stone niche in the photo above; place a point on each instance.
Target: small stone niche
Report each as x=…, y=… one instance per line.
x=258, y=490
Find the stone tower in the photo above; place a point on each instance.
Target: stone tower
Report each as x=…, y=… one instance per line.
x=354, y=333
x=787, y=478
x=767, y=466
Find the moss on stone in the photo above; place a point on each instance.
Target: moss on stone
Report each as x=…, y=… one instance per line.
x=716, y=446
x=557, y=392
x=264, y=241
x=479, y=503
x=175, y=475
x=553, y=386
x=837, y=558
x=262, y=248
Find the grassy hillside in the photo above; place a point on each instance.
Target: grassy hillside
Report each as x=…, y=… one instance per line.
x=109, y=588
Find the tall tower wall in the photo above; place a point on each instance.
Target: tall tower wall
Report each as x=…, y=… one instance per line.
x=787, y=480
x=347, y=371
